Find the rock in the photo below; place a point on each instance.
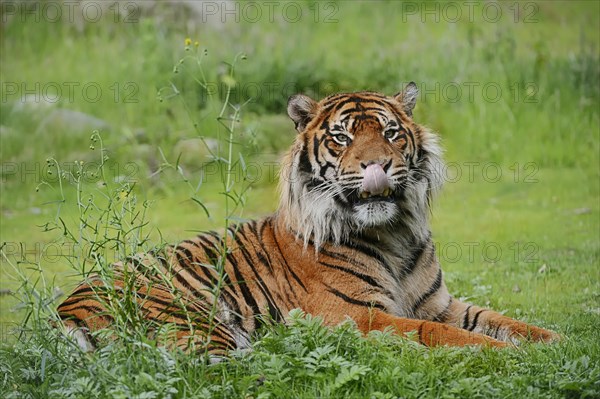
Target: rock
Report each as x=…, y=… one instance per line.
x=581, y=211
x=31, y=103
x=68, y=121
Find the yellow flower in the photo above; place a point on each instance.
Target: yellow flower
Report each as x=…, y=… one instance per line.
x=196, y=43
x=188, y=41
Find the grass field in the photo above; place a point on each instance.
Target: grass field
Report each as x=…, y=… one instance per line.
x=512, y=88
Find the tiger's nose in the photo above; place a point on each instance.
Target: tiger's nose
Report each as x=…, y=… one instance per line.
x=375, y=180
x=385, y=164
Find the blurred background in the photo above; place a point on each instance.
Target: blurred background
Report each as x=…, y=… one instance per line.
x=512, y=88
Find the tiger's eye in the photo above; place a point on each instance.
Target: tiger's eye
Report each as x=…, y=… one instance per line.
x=389, y=134
x=341, y=139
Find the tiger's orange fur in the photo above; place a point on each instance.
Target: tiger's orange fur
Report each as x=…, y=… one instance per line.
x=332, y=248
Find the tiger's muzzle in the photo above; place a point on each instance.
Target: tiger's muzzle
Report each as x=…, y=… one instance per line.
x=375, y=183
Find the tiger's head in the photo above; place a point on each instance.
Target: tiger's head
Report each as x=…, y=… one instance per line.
x=360, y=162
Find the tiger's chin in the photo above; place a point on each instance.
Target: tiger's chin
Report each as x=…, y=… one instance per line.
x=375, y=213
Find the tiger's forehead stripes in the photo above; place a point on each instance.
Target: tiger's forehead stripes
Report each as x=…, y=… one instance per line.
x=358, y=106
x=342, y=98
x=348, y=120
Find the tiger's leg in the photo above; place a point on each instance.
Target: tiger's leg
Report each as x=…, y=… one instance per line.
x=83, y=312
x=429, y=333
x=192, y=328
x=485, y=321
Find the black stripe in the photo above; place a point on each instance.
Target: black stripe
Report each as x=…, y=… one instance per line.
x=360, y=110
x=138, y=265
x=466, y=318
x=208, y=284
x=266, y=223
x=432, y=290
x=206, y=244
x=331, y=151
x=324, y=168
x=73, y=300
x=415, y=256
x=214, y=254
x=248, y=297
x=263, y=254
x=411, y=136
x=497, y=331
x=322, y=172
x=345, y=258
x=276, y=314
x=227, y=296
x=188, y=267
x=287, y=272
x=274, y=310
x=260, y=255
x=353, y=301
x=367, y=279
x=342, y=201
x=316, y=143
x=222, y=332
x=441, y=317
x=474, y=324
x=161, y=259
x=370, y=252
x=355, y=99
x=294, y=275
x=94, y=310
x=303, y=161
x=174, y=308
x=79, y=293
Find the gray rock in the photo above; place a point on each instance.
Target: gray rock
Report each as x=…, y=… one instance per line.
x=69, y=121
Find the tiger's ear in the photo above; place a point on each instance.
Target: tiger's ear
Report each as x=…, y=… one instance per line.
x=408, y=97
x=301, y=109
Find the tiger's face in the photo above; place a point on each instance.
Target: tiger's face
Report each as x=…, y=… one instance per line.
x=357, y=159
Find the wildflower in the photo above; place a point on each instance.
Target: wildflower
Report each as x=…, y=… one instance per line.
x=196, y=43
x=188, y=41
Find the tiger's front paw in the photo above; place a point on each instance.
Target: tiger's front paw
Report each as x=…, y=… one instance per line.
x=541, y=335
x=435, y=334
x=535, y=334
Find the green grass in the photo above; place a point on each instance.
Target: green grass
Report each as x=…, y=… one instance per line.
x=308, y=360
x=542, y=213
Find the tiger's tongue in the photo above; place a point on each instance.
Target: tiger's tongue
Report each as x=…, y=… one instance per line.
x=375, y=181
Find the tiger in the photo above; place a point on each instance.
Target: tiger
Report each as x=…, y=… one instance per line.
x=350, y=239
